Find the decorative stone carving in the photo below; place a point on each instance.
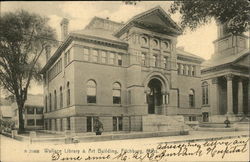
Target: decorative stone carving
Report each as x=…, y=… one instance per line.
x=215, y=81
x=229, y=77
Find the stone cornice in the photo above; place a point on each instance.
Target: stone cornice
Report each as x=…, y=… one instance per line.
x=188, y=58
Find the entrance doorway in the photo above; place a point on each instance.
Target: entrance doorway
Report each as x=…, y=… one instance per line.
x=154, y=97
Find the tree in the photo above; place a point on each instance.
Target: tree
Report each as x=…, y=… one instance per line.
x=24, y=37
x=233, y=13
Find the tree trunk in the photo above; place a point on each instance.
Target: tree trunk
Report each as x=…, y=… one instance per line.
x=21, y=121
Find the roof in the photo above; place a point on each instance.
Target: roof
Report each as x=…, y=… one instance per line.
x=214, y=62
x=181, y=52
x=98, y=33
x=6, y=111
x=34, y=100
x=178, y=30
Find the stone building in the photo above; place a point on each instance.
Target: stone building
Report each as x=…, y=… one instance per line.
x=131, y=76
x=225, y=78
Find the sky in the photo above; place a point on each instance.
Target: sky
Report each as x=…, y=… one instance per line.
x=79, y=13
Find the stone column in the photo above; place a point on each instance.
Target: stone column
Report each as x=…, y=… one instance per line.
x=240, y=97
x=248, y=97
x=58, y=124
x=229, y=94
x=53, y=124
x=214, y=98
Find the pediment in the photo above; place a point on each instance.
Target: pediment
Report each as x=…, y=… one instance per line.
x=155, y=19
x=243, y=61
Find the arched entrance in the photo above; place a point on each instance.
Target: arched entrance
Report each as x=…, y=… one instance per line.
x=154, y=96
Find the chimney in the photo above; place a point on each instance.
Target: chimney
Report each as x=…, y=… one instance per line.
x=64, y=28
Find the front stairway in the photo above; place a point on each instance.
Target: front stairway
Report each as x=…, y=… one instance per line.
x=161, y=123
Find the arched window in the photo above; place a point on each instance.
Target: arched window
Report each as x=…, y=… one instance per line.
x=144, y=41
x=165, y=45
x=68, y=94
x=61, y=97
x=155, y=43
x=191, y=98
x=55, y=100
x=116, y=93
x=91, y=91
x=204, y=93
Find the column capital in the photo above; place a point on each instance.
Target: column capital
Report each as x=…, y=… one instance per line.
x=229, y=77
x=215, y=80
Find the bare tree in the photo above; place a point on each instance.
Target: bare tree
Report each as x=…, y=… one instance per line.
x=23, y=39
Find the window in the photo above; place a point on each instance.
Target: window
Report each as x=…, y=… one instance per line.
x=61, y=97
x=104, y=56
x=68, y=56
x=39, y=122
x=90, y=123
x=30, y=122
x=155, y=43
x=91, y=91
x=46, y=104
x=111, y=58
x=56, y=69
x=68, y=94
x=119, y=60
x=204, y=93
x=117, y=123
x=144, y=41
x=182, y=70
x=193, y=70
x=55, y=100
x=190, y=70
x=165, y=62
x=68, y=123
x=191, y=98
x=178, y=98
x=39, y=110
x=94, y=55
x=30, y=110
x=165, y=45
x=116, y=93
x=205, y=116
x=192, y=118
x=50, y=102
x=143, y=59
x=86, y=54
x=154, y=59
x=178, y=69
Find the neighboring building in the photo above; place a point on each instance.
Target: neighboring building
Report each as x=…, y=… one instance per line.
x=225, y=79
x=33, y=112
x=6, y=112
x=129, y=75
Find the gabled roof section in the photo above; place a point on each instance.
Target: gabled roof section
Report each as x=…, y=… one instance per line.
x=184, y=54
x=233, y=59
x=153, y=18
